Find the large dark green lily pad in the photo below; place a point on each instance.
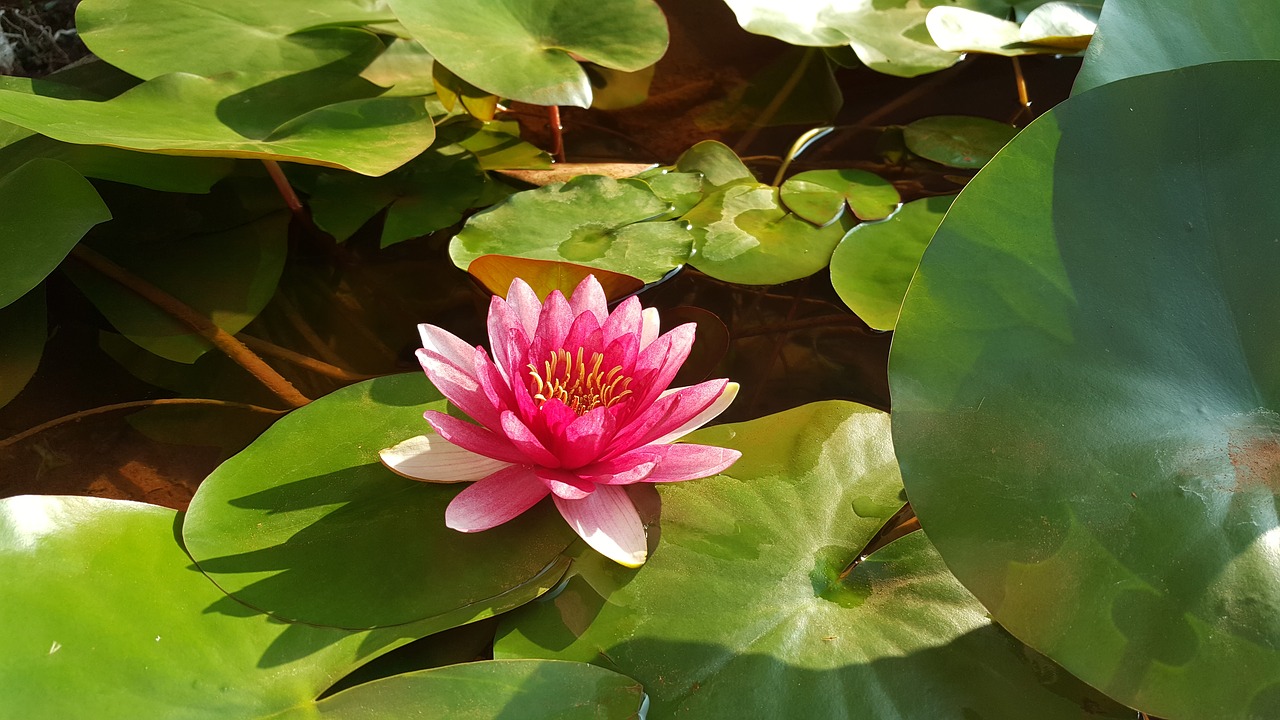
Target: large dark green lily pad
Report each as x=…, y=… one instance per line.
x=521, y=49
x=308, y=525
x=1086, y=386
x=741, y=605
x=1136, y=37
x=524, y=689
x=105, y=617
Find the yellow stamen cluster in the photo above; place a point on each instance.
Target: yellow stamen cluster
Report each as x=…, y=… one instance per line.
x=578, y=383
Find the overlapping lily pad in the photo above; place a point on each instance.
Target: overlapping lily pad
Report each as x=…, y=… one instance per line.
x=521, y=50
x=45, y=208
x=873, y=265
x=745, y=603
x=1136, y=37
x=590, y=220
x=149, y=38
x=959, y=141
x=744, y=235
x=103, y=607
x=170, y=173
x=1086, y=390
x=1053, y=27
x=307, y=524
x=820, y=196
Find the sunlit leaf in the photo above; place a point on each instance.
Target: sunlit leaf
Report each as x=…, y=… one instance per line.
x=308, y=525
x=496, y=272
x=745, y=601
x=590, y=220
x=520, y=50
x=719, y=165
x=820, y=196
x=1086, y=390
x=618, y=89
x=872, y=266
x=1054, y=27
x=170, y=173
x=453, y=91
x=45, y=208
x=959, y=141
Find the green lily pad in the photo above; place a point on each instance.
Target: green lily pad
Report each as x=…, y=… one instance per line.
x=1086, y=390
x=428, y=193
x=521, y=50
x=322, y=117
x=820, y=196
x=1064, y=25
x=497, y=145
x=743, y=235
x=225, y=272
x=404, y=68
x=169, y=173
x=45, y=208
x=527, y=689
x=453, y=91
x=742, y=604
x=149, y=38
x=681, y=190
x=889, y=36
x=719, y=165
x=872, y=266
x=308, y=525
x=618, y=89
x=102, y=606
x=590, y=220
x=1053, y=27
x=23, y=329
x=1136, y=37
x=958, y=141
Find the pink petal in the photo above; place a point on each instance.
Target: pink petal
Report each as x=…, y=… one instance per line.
x=669, y=413
x=589, y=297
x=649, y=331
x=507, y=338
x=710, y=413
x=447, y=345
x=608, y=521
x=585, y=438
x=524, y=305
x=683, y=461
x=565, y=484
x=624, y=320
x=459, y=386
x=494, y=500
x=553, y=326
x=658, y=364
x=523, y=438
x=494, y=386
x=584, y=333
x=474, y=438
x=435, y=459
x=618, y=473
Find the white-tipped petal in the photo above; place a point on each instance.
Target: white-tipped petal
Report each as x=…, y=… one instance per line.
x=714, y=409
x=524, y=304
x=608, y=521
x=448, y=345
x=649, y=331
x=433, y=459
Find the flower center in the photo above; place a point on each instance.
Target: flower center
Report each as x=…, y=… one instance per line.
x=578, y=383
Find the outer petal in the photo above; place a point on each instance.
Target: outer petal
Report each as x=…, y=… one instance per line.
x=474, y=438
x=658, y=364
x=675, y=409
x=617, y=473
x=608, y=521
x=460, y=386
x=495, y=499
x=589, y=297
x=447, y=345
x=624, y=320
x=507, y=338
x=434, y=459
x=713, y=410
x=682, y=461
x=524, y=304
x=649, y=331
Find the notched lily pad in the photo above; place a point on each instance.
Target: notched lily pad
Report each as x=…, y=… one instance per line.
x=591, y=220
x=959, y=141
x=820, y=196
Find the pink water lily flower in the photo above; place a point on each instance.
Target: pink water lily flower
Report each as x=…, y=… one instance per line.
x=574, y=404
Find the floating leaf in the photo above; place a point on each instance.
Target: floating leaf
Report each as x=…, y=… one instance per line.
x=1136, y=37
x=872, y=266
x=1054, y=27
x=743, y=235
x=453, y=91
x=528, y=689
x=682, y=190
x=323, y=117
x=1086, y=390
x=522, y=51
x=308, y=525
x=590, y=220
x=1064, y=25
x=149, y=38
x=496, y=272
x=745, y=601
x=428, y=193
x=405, y=69
x=154, y=638
x=226, y=272
x=23, y=329
x=715, y=162
x=957, y=141
x=820, y=196
x=496, y=144
x=889, y=36
x=45, y=208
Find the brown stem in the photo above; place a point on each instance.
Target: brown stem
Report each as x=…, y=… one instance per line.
x=1020, y=81
x=15, y=439
x=557, y=133
x=784, y=94
x=201, y=325
x=307, y=362
x=902, y=523
x=286, y=190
